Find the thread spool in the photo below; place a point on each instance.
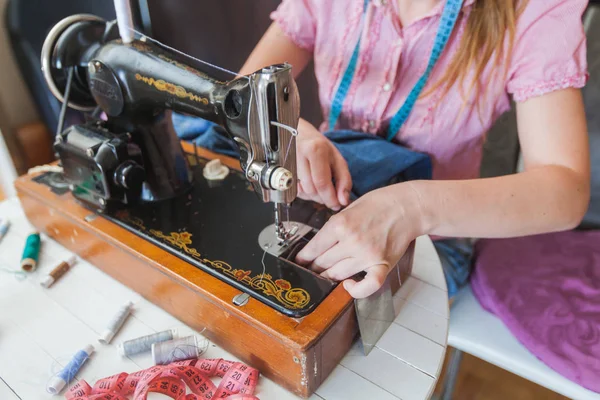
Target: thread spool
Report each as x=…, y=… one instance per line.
x=115, y=323
x=31, y=252
x=58, y=272
x=175, y=350
x=67, y=374
x=144, y=343
x=4, y=225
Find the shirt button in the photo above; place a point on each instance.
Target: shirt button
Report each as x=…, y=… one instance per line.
x=387, y=87
x=371, y=124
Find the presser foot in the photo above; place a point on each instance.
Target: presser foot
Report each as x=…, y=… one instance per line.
x=296, y=235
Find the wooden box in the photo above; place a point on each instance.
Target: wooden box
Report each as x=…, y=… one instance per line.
x=297, y=353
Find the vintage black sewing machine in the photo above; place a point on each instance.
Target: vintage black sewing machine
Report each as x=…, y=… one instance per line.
x=212, y=252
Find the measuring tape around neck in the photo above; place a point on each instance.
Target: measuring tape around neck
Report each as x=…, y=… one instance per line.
x=447, y=23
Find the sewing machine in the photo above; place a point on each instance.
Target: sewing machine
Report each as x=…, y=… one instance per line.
x=215, y=251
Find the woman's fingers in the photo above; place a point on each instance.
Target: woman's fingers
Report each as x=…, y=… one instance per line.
x=370, y=284
x=330, y=258
x=343, y=180
x=305, y=178
x=320, y=170
x=344, y=269
x=323, y=241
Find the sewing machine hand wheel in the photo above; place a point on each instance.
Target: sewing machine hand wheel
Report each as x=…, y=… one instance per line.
x=63, y=50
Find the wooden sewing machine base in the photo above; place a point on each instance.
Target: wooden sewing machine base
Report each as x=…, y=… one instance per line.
x=295, y=327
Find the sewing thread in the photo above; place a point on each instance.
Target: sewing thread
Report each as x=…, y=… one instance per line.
x=58, y=272
x=67, y=374
x=31, y=253
x=175, y=350
x=144, y=343
x=4, y=225
x=116, y=323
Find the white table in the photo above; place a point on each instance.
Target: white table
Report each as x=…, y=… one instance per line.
x=40, y=329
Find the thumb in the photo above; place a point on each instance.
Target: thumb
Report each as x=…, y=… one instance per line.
x=370, y=284
x=343, y=179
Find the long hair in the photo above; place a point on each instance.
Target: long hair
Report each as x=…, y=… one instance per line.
x=485, y=37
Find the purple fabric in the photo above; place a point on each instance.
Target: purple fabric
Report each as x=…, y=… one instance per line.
x=546, y=290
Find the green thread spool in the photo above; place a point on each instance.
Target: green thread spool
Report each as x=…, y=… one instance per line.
x=31, y=253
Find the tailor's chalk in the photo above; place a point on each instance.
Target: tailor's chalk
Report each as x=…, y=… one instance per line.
x=4, y=225
x=31, y=253
x=64, y=377
x=144, y=343
x=57, y=272
x=115, y=323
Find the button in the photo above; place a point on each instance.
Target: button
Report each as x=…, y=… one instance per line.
x=383, y=2
x=398, y=43
x=387, y=87
x=372, y=124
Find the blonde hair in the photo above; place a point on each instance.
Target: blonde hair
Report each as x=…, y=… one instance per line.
x=488, y=24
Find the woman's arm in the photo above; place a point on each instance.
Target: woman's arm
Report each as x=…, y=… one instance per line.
x=552, y=194
x=275, y=47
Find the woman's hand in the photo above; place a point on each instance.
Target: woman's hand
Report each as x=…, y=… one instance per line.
x=320, y=165
x=370, y=235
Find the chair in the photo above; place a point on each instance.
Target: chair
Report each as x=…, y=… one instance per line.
x=473, y=330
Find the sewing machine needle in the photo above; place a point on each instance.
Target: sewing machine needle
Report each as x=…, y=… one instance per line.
x=279, y=227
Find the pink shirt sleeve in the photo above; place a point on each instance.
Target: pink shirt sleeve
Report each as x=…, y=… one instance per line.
x=549, y=52
x=296, y=19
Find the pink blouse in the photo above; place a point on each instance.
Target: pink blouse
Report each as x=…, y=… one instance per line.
x=549, y=54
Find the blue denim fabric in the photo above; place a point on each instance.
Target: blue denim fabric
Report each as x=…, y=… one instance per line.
x=456, y=256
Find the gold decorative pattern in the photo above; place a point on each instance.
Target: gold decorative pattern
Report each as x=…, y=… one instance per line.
x=171, y=88
x=280, y=289
x=187, y=68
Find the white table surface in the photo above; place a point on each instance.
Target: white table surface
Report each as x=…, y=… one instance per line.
x=40, y=329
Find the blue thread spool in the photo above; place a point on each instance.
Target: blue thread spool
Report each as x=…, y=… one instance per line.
x=31, y=253
x=64, y=377
x=4, y=225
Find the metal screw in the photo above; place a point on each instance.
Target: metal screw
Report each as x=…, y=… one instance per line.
x=91, y=67
x=98, y=66
x=296, y=360
x=89, y=152
x=241, y=299
x=71, y=187
x=102, y=201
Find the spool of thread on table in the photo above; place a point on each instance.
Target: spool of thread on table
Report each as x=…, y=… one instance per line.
x=116, y=323
x=67, y=374
x=58, y=272
x=31, y=253
x=4, y=225
x=144, y=343
x=175, y=350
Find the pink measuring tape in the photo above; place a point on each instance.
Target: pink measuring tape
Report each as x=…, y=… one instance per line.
x=239, y=382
